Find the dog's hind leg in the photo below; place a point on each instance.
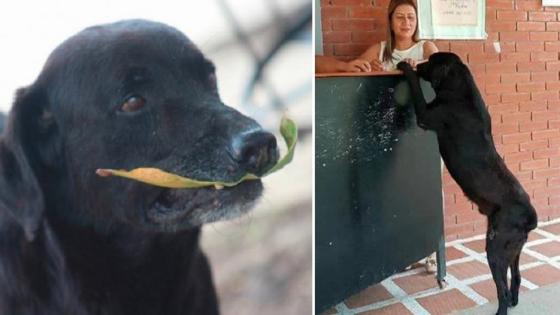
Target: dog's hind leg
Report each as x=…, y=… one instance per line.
x=495, y=243
x=515, y=280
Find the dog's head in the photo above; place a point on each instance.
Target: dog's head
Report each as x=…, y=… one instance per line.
x=441, y=69
x=126, y=95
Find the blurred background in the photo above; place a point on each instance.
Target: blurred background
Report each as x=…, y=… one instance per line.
x=263, y=54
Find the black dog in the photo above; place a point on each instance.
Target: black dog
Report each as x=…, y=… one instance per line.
x=123, y=95
x=459, y=117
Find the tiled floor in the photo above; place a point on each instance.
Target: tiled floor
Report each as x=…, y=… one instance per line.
x=468, y=277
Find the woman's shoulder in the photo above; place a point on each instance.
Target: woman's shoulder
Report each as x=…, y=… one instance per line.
x=429, y=48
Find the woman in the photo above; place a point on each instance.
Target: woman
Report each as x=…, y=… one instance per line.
x=402, y=42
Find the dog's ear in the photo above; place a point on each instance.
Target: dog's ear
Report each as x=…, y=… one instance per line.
x=22, y=155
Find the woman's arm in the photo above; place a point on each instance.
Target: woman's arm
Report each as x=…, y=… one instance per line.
x=429, y=49
x=325, y=64
x=371, y=55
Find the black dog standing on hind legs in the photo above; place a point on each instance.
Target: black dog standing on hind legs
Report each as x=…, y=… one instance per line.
x=124, y=95
x=459, y=117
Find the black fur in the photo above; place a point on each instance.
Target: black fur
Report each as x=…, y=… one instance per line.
x=459, y=117
x=72, y=242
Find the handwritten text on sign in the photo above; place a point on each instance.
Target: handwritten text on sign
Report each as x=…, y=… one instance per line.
x=455, y=12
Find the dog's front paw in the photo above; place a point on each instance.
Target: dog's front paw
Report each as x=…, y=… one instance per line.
x=403, y=65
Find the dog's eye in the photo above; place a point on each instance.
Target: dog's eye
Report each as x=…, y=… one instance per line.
x=132, y=104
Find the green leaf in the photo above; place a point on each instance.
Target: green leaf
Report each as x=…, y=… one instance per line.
x=157, y=177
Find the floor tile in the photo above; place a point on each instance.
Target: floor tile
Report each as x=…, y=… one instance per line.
x=554, y=228
x=370, y=295
x=542, y=275
x=550, y=249
x=416, y=283
x=478, y=246
x=446, y=302
x=393, y=309
x=487, y=289
x=468, y=269
x=452, y=253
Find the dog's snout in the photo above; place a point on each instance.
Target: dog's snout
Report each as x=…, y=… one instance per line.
x=256, y=151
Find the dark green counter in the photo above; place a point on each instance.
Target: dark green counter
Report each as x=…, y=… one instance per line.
x=378, y=196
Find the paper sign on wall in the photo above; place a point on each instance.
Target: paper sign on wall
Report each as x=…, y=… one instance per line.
x=452, y=19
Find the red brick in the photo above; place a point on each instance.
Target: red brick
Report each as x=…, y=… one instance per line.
x=531, y=66
x=467, y=47
x=529, y=46
x=500, y=88
x=530, y=86
x=511, y=15
x=516, y=117
x=333, y=12
x=515, y=97
x=534, y=125
x=552, y=46
x=367, y=37
x=507, y=128
x=516, y=138
x=519, y=157
x=542, y=16
x=368, y=12
x=545, y=134
x=349, y=49
x=553, y=85
x=350, y=2
x=530, y=106
x=353, y=25
x=551, y=191
x=337, y=37
x=544, y=56
x=501, y=26
x=544, y=76
x=515, y=57
x=553, y=65
x=554, y=161
x=483, y=57
x=500, y=4
x=543, y=36
x=533, y=145
x=553, y=26
x=528, y=5
x=507, y=148
x=544, y=115
x=514, y=36
x=547, y=95
x=534, y=164
x=546, y=173
x=531, y=26
x=546, y=153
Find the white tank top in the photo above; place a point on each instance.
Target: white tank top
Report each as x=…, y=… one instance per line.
x=415, y=52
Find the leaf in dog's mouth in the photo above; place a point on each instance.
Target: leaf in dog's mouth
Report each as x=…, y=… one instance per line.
x=157, y=177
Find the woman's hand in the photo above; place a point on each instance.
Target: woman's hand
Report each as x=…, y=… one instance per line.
x=411, y=62
x=376, y=65
x=358, y=65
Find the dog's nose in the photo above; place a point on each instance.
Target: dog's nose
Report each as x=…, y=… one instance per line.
x=255, y=151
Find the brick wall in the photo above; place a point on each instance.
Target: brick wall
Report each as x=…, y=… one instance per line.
x=520, y=86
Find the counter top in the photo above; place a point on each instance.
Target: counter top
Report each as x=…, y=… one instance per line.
x=357, y=74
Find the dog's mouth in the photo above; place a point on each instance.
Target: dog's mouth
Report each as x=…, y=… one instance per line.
x=175, y=209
